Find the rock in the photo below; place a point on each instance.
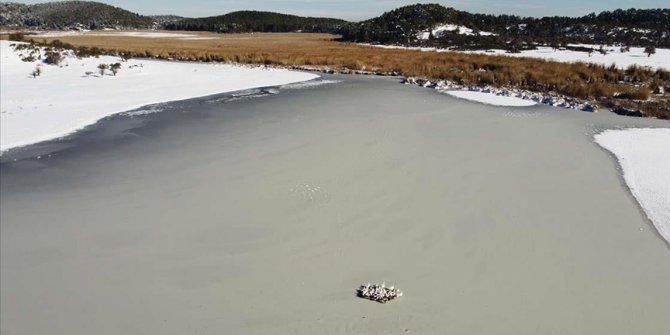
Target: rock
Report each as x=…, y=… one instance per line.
x=378, y=293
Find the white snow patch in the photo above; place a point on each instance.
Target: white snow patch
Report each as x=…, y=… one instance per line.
x=636, y=56
x=64, y=99
x=490, y=98
x=144, y=34
x=441, y=29
x=59, y=33
x=644, y=156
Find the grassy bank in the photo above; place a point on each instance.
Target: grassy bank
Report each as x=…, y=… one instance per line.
x=607, y=85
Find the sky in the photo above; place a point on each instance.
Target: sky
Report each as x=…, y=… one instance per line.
x=356, y=10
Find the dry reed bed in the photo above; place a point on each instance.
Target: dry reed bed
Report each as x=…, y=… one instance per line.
x=579, y=80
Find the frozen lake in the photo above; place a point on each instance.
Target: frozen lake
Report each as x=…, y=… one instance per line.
x=262, y=212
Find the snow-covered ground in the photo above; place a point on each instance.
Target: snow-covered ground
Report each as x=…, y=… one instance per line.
x=69, y=97
x=144, y=34
x=644, y=156
x=635, y=56
x=491, y=99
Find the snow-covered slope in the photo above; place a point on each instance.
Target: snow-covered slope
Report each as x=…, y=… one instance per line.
x=442, y=29
x=644, y=156
x=69, y=97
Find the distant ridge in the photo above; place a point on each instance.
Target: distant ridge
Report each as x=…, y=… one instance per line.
x=416, y=25
x=70, y=14
x=258, y=21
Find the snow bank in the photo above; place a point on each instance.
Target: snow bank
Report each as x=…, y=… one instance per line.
x=64, y=99
x=635, y=56
x=491, y=99
x=644, y=156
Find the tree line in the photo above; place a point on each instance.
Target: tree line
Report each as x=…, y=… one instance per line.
x=632, y=27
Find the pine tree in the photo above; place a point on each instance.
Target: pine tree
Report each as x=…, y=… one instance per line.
x=650, y=50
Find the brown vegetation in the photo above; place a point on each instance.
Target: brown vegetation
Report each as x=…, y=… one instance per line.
x=579, y=80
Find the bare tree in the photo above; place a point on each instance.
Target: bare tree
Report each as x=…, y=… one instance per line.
x=102, y=68
x=115, y=68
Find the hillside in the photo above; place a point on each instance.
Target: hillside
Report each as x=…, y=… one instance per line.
x=70, y=14
x=248, y=21
x=435, y=25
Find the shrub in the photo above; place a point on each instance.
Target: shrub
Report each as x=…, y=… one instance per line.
x=19, y=37
x=83, y=52
x=53, y=57
x=115, y=68
x=635, y=94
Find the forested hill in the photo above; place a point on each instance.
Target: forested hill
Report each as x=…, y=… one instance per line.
x=248, y=21
x=96, y=15
x=70, y=14
x=432, y=24
x=415, y=25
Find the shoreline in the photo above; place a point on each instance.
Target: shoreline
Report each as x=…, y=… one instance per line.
x=30, y=118
x=642, y=171
x=444, y=86
x=549, y=99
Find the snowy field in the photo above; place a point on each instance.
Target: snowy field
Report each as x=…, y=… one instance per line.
x=111, y=33
x=644, y=156
x=490, y=99
x=635, y=56
x=69, y=97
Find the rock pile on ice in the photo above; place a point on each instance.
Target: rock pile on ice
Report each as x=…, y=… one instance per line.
x=378, y=293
